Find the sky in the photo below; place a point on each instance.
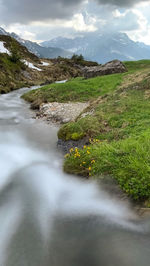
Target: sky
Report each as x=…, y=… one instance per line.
x=40, y=20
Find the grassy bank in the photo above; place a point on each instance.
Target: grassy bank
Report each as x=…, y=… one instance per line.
x=121, y=144
x=76, y=90
x=116, y=123
x=79, y=89
x=127, y=161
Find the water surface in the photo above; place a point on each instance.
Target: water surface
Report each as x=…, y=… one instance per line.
x=48, y=218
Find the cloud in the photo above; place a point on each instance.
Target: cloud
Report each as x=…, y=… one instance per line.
x=42, y=19
x=121, y=3
x=26, y=11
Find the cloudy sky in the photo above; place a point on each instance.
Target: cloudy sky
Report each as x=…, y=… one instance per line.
x=40, y=20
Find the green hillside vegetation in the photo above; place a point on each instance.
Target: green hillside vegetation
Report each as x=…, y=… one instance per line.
x=116, y=123
x=14, y=74
x=9, y=74
x=11, y=66
x=80, y=89
x=75, y=90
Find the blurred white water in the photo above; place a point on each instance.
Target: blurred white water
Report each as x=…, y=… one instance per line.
x=49, y=218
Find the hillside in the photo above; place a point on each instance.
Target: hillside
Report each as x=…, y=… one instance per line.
x=93, y=46
x=103, y=47
x=21, y=68
x=14, y=73
x=114, y=129
x=38, y=50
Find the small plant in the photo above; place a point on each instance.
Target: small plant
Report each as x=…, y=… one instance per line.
x=77, y=58
x=15, y=56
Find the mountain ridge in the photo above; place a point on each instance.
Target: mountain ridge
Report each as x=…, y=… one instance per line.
x=35, y=48
x=103, y=47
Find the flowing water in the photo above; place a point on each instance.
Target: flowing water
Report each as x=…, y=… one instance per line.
x=50, y=219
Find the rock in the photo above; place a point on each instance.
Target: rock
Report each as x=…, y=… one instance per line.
x=26, y=74
x=111, y=67
x=46, y=82
x=65, y=146
x=62, y=112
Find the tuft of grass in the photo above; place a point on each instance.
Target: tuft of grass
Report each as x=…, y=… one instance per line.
x=127, y=161
x=85, y=126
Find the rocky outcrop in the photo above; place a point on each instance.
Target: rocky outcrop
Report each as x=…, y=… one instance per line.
x=61, y=112
x=111, y=67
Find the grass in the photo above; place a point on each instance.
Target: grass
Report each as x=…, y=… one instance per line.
x=116, y=116
x=10, y=74
x=117, y=124
x=122, y=148
x=134, y=66
x=127, y=161
x=82, y=90
x=75, y=90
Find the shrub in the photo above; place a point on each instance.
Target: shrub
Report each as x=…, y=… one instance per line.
x=15, y=56
x=77, y=58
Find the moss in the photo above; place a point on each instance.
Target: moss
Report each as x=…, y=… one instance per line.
x=77, y=136
x=88, y=126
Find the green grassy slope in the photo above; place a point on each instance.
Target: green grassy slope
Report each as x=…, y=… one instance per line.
x=82, y=90
x=11, y=71
x=75, y=90
x=117, y=124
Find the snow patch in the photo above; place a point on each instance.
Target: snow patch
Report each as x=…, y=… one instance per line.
x=61, y=81
x=30, y=65
x=3, y=49
x=45, y=64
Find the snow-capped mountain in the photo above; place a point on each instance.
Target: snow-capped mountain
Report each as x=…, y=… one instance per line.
x=103, y=47
x=3, y=32
x=38, y=50
x=93, y=46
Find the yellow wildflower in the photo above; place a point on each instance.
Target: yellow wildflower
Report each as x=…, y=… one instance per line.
x=84, y=162
x=90, y=168
x=84, y=146
x=88, y=152
x=93, y=161
x=71, y=150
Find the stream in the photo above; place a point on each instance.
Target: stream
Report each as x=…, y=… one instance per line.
x=48, y=218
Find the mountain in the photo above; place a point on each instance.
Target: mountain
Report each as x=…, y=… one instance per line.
x=38, y=50
x=3, y=32
x=103, y=47
x=21, y=68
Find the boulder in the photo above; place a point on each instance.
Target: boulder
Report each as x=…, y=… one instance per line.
x=111, y=67
x=62, y=112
